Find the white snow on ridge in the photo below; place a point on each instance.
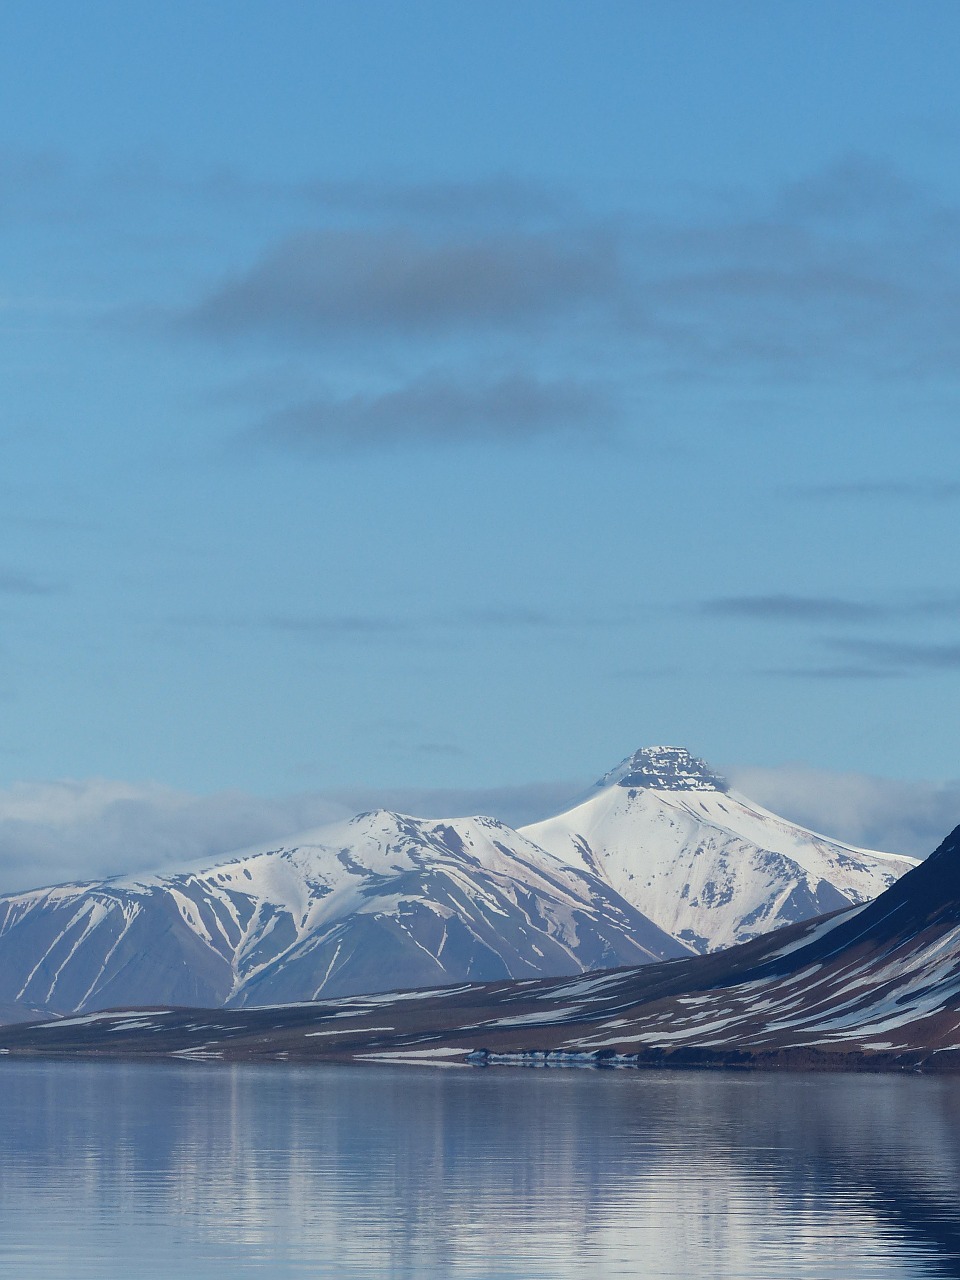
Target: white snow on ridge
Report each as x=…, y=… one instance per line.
x=447, y=900
x=704, y=863
x=660, y=851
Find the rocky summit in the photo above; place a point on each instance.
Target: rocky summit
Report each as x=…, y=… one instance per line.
x=664, y=769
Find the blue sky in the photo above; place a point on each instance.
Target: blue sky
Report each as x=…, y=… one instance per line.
x=456, y=395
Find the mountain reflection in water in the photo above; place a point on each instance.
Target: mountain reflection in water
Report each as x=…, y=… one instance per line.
x=112, y=1169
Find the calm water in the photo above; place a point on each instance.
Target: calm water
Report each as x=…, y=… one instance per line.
x=111, y=1170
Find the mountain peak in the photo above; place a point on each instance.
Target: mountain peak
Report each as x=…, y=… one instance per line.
x=664, y=769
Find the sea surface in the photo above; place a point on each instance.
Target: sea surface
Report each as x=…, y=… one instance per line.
x=194, y=1171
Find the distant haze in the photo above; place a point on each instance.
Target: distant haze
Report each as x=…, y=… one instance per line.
x=69, y=830
x=875, y=813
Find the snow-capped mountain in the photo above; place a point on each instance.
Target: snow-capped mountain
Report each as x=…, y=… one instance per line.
x=706, y=864
x=381, y=901
x=659, y=860
x=874, y=987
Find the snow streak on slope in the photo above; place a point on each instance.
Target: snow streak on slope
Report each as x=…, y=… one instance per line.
x=659, y=850
x=707, y=865
x=380, y=901
x=871, y=987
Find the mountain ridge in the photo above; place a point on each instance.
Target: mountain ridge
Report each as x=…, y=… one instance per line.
x=873, y=987
x=386, y=899
x=708, y=865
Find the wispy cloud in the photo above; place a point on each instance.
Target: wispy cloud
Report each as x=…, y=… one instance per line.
x=850, y=268
x=33, y=184
x=873, y=659
x=500, y=197
x=516, y=616
x=850, y=263
x=863, y=657
x=853, y=186
x=441, y=749
x=848, y=271
x=332, y=282
x=909, y=655
x=438, y=409
x=790, y=608
x=319, y=626
x=921, y=491
x=51, y=184
x=353, y=627
x=14, y=583
x=821, y=609
x=841, y=671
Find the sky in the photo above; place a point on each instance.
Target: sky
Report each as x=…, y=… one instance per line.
x=439, y=401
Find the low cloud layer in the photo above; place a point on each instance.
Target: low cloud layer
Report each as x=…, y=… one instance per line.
x=52, y=832
x=872, y=812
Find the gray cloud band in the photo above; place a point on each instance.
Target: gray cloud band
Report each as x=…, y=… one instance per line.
x=847, y=273
x=819, y=609
x=441, y=409
x=13, y=583
x=336, y=282
x=903, y=654
x=788, y=608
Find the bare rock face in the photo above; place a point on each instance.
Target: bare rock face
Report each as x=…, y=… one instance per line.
x=664, y=769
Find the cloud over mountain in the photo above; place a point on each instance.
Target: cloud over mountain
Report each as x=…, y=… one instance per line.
x=883, y=813
x=81, y=829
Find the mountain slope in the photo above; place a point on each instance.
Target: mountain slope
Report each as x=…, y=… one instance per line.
x=707, y=865
x=658, y=848
x=872, y=987
x=380, y=901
